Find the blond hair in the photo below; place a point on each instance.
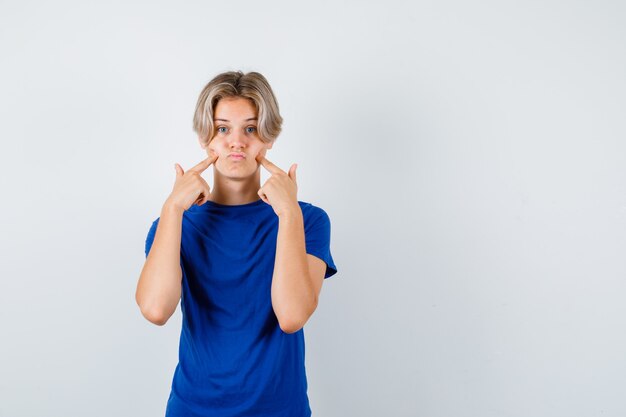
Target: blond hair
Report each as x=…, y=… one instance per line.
x=252, y=86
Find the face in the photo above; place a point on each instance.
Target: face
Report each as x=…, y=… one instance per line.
x=235, y=120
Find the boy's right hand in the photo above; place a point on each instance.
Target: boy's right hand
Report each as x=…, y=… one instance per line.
x=190, y=188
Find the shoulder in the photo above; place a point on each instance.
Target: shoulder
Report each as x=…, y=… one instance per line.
x=310, y=208
x=313, y=214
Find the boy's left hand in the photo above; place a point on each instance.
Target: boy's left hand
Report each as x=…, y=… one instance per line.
x=280, y=190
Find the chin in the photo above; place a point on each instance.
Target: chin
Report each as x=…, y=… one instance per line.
x=237, y=172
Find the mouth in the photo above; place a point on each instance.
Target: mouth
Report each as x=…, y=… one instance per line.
x=237, y=156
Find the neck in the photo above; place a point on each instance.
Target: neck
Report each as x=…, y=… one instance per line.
x=235, y=191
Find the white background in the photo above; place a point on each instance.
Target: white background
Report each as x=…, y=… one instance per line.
x=471, y=157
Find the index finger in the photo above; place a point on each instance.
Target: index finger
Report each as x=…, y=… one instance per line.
x=268, y=165
x=204, y=164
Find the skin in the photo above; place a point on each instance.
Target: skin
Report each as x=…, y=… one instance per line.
x=298, y=276
x=236, y=182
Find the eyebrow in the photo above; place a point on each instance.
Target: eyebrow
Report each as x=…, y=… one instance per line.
x=247, y=120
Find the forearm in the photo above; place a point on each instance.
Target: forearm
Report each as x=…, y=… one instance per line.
x=293, y=294
x=159, y=286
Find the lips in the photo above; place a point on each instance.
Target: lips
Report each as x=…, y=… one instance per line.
x=237, y=155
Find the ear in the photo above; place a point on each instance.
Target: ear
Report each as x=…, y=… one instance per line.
x=270, y=145
x=203, y=145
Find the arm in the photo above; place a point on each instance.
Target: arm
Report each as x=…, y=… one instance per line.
x=298, y=276
x=159, y=286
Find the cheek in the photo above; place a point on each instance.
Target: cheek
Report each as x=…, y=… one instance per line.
x=262, y=151
x=214, y=146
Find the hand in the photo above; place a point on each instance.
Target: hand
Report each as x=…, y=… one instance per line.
x=190, y=188
x=280, y=190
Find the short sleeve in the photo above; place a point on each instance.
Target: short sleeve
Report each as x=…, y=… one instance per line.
x=150, y=237
x=150, y=240
x=317, y=239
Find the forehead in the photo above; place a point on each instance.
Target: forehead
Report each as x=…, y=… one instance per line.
x=235, y=108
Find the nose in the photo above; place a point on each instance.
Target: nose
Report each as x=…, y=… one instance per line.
x=237, y=140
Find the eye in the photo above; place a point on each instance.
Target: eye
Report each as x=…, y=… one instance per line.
x=251, y=127
x=221, y=127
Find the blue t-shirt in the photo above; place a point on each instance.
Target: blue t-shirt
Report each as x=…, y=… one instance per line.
x=234, y=359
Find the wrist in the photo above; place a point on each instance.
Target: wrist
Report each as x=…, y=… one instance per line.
x=170, y=207
x=291, y=212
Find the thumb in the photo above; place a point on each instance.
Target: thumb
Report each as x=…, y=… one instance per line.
x=179, y=170
x=292, y=172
